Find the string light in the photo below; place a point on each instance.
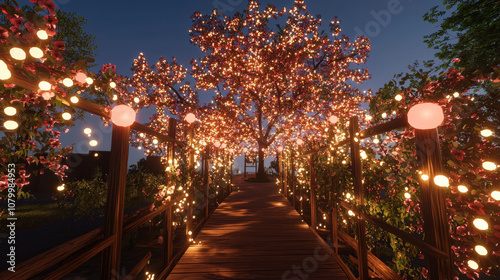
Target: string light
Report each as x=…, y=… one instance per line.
x=480, y=224
x=407, y=195
x=66, y=116
x=10, y=125
x=10, y=111
x=398, y=97
x=93, y=143
x=89, y=80
x=61, y=187
x=42, y=34
x=112, y=85
x=490, y=166
x=4, y=71
x=18, y=53
x=481, y=250
x=67, y=82
x=442, y=181
x=495, y=195
x=74, y=99
x=424, y=177
x=472, y=264
x=87, y=130
x=36, y=52
x=44, y=85
x=486, y=133
x=463, y=189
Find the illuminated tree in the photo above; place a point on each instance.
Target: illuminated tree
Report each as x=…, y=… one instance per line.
x=267, y=78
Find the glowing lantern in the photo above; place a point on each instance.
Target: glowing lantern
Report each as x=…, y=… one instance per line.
x=112, y=85
x=74, y=99
x=442, y=181
x=398, y=97
x=123, y=115
x=93, y=143
x=89, y=80
x=10, y=111
x=280, y=149
x=43, y=85
x=36, y=52
x=4, y=71
x=42, y=34
x=10, y=125
x=495, y=195
x=425, y=116
x=472, y=264
x=463, y=189
x=67, y=82
x=223, y=145
x=488, y=165
x=217, y=144
x=190, y=118
x=80, y=77
x=87, y=130
x=18, y=53
x=481, y=250
x=66, y=116
x=480, y=224
x=333, y=119
x=300, y=142
x=61, y=188
x=486, y=133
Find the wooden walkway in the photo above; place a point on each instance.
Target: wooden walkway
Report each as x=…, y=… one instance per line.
x=256, y=234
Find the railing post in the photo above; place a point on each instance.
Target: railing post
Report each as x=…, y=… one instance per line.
x=434, y=214
x=333, y=197
x=190, y=205
x=312, y=193
x=293, y=181
x=285, y=178
x=358, y=190
x=167, y=216
x=280, y=170
x=113, y=225
x=205, y=180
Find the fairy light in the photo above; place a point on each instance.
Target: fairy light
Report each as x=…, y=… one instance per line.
x=74, y=99
x=89, y=80
x=495, y=195
x=486, y=133
x=112, y=85
x=93, y=143
x=424, y=177
x=384, y=115
x=490, y=166
x=44, y=85
x=480, y=224
x=67, y=82
x=4, y=71
x=456, y=94
x=350, y=213
x=472, y=264
x=481, y=250
x=66, y=116
x=407, y=195
x=398, y=97
x=17, y=53
x=10, y=111
x=136, y=100
x=87, y=130
x=442, y=181
x=42, y=34
x=10, y=125
x=463, y=189
x=36, y=52
x=61, y=187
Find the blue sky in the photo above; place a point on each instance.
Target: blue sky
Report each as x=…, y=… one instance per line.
x=125, y=28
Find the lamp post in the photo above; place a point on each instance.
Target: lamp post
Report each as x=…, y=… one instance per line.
x=190, y=118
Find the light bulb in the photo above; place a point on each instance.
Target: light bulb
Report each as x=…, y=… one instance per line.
x=89, y=80
x=486, y=133
x=93, y=143
x=10, y=125
x=495, y=195
x=398, y=97
x=112, y=84
x=155, y=141
x=74, y=99
x=42, y=34
x=424, y=177
x=384, y=115
x=472, y=264
x=480, y=224
x=87, y=130
x=4, y=71
x=463, y=189
x=10, y=111
x=66, y=116
x=481, y=250
x=61, y=188
x=407, y=195
x=67, y=82
x=36, y=52
x=488, y=165
x=136, y=99
x=456, y=94
x=43, y=85
x=18, y=53
x=442, y=181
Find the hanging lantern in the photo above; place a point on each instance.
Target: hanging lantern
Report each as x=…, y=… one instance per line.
x=425, y=116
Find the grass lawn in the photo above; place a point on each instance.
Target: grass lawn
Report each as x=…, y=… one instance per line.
x=32, y=215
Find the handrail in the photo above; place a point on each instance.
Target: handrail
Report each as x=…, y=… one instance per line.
x=424, y=246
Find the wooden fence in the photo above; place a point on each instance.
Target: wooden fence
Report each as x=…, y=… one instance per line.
x=59, y=261
x=436, y=244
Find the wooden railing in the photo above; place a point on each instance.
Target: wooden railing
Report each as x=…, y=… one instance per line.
x=108, y=238
x=436, y=245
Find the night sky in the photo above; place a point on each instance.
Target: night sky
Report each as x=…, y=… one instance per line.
x=125, y=28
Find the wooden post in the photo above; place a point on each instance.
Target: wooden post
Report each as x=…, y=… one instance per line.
x=280, y=170
x=358, y=190
x=293, y=182
x=333, y=196
x=285, y=178
x=191, y=185
x=245, y=164
x=167, y=216
x=205, y=180
x=113, y=225
x=312, y=186
x=434, y=214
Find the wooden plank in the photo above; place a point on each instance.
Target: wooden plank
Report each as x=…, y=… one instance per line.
x=398, y=123
x=433, y=206
x=357, y=174
x=140, y=266
x=256, y=233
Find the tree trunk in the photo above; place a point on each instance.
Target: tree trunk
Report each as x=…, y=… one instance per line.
x=261, y=173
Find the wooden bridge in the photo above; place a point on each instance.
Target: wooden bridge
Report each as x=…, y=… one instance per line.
x=256, y=234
